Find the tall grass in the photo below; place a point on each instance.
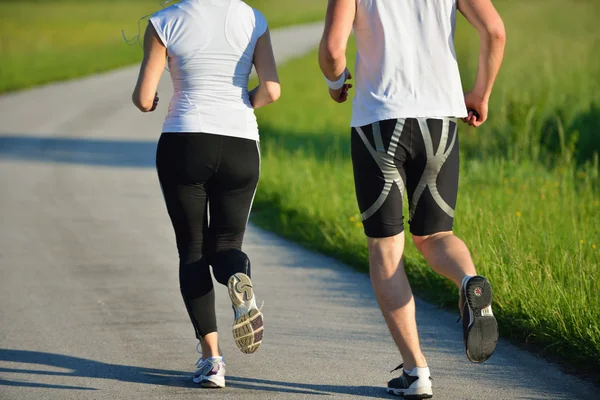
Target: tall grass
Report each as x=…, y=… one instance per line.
x=547, y=100
x=48, y=40
x=528, y=206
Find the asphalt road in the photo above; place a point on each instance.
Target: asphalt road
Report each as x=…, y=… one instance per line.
x=88, y=277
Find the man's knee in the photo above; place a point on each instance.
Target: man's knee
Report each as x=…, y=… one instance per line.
x=422, y=242
x=381, y=244
x=386, y=250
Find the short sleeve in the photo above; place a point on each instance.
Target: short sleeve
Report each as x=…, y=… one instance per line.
x=158, y=22
x=260, y=24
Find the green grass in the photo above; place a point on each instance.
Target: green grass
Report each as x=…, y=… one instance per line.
x=528, y=208
x=44, y=41
x=549, y=84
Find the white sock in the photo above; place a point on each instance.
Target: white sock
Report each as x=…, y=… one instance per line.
x=418, y=371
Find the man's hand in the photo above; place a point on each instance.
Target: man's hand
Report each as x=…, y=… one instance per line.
x=332, y=49
x=341, y=95
x=478, y=109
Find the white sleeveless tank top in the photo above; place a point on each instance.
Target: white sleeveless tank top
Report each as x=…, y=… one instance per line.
x=210, y=47
x=406, y=64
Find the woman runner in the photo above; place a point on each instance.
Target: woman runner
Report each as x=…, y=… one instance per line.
x=208, y=157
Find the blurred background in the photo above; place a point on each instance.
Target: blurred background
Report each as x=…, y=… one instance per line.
x=529, y=202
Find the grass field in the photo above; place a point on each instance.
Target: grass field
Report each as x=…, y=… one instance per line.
x=49, y=40
x=529, y=198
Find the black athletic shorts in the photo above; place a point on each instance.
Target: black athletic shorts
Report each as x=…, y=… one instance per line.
x=419, y=154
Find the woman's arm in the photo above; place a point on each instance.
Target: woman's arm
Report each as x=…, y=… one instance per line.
x=144, y=95
x=268, y=89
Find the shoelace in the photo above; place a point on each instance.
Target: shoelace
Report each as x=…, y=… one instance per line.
x=397, y=368
x=200, y=360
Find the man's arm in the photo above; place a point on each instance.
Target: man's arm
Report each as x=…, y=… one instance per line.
x=484, y=17
x=332, y=50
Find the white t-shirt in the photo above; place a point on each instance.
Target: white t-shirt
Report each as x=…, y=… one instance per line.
x=210, y=47
x=406, y=64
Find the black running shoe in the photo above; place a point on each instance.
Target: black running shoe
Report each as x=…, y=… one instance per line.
x=416, y=385
x=480, y=329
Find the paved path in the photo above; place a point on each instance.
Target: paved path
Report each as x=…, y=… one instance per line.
x=88, y=278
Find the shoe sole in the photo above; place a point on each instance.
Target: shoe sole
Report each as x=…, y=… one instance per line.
x=248, y=325
x=402, y=392
x=482, y=333
x=207, y=383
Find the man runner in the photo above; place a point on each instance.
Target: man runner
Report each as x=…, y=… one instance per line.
x=404, y=141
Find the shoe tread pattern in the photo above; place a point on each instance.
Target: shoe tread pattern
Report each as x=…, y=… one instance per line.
x=248, y=328
x=481, y=336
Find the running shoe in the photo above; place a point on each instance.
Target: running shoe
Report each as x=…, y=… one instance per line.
x=416, y=384
x=248, y=325
x=210, y=372
x=480, y=329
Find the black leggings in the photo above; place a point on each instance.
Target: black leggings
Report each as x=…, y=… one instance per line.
x=208, y=182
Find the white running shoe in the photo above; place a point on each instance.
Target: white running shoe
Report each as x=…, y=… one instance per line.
x=210, y=372
x=248, y=325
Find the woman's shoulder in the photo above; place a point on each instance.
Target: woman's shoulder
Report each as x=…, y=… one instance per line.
x=173, y=9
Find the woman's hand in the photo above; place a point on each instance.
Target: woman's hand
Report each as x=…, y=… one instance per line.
x=154, y=103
